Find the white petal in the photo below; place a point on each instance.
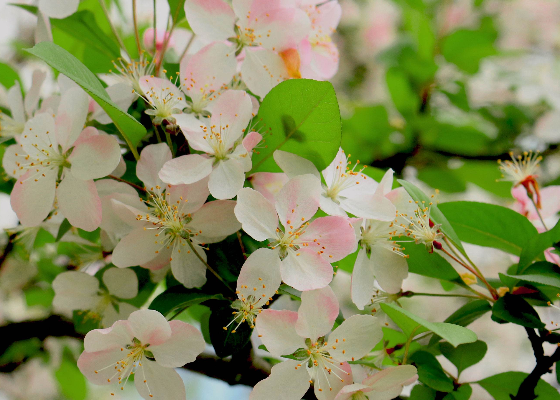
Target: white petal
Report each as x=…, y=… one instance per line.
x=305, y=269
x=317, y=313
x=58, y=8
x=90, y=363
x=189, y=198
x=261, y=271
x=184, y=345
x=355, y=337
x=79, y=202
x=390, y=377
x=287, y=381
x=122, y=283
x=71, y=116
x=262, y=70
x=330, y=384
x=330, y=207
x=231, y=114
x=161, y=383
x=212, y=20
x=138, y=247
x=75, y=290
x=215, y=219
x=294, y=165
x=278, y=333
x=226, y=179
x=115, y=337
x=32, y=96
x=152, y=160
x=95, y=157
x=362, y=280
x=38, y=136
x=149, y=326
x=15, y=102
x=257, y=216
x=389, y=268
x=110, y=315
x=186, y=169
x=186, y=266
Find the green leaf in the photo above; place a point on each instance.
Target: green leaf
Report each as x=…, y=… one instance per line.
x=402, y=94
x=543, y=273
x=300, y=116
x=484, y=174
x=8, y=76
x=463, y=392
x=36, y=296
x=465, y=355
x=179, y=297
x=421, y=392
x=489, y=225
x=430, y=372
x=422, y=262
x=65, y=226
x=71, y=381
x=408, y=322
x=501, y=386
x=435, y=214
x=442, y=178
x=82, y=26
x=469, y=313
x=516, y=310
x=66, y=63
x=177, y=10
x=225, y=341
x=466, y=48
x=20, y=350
x=420, y=25
x=537, y=245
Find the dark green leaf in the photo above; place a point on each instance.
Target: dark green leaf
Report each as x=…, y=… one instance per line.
x=66, y=63
x=534, y=247
x=463, y=392
x=409, y=322
x=430, y=372
x=421, y=392
x=64, y=227
x=300, y=116
x=543, y=273
x=225, y=341
x=465, y=355
x=489, y=225
x=501, y=386
x=179, y=298
x=516, y=310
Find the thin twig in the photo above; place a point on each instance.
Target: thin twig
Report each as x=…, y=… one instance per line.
x=410, y=294
x=135, y=186
x=208, y=266
x=113, y=29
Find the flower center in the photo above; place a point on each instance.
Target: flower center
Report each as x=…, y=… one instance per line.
x=421, y=228
x=131, y=72
x=381, y=233
x=343, y=178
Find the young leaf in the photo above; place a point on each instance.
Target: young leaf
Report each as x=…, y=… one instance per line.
x=516, y=310
x=465, y=355
x=408, y=322
x=8, y=76
x=179, y=297
x=489, y=225
x=66, y=63
x=430, y=372
x=536, y=245
x=300, y=116
x=435, y=214
x=501, y=386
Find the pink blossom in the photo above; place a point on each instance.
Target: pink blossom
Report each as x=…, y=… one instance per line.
x=321, y=355
x=146, y=345
x=303, y=250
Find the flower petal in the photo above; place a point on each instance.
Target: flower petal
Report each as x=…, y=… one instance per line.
x=189, y=198
x=330, y=207
x=110, y=314
x=261, y=271
x=113, y=338
x=362, y=280
x=316, y=315
x=256, y=214
x=355, y=337
x=33, y=95
x=212, y=20
x=71, y=116
x=333, y=237
x=149, y=326
x=391, y=377
x=294, y=165
x=95, y=157
x=277, y=331
x=122, y=283
x=262, y=70
x=230, y=116
x=39, y=136
x=186, y=266
x=75, y=290
x=306, y=270
x=138, y=247
x=390, y=269
x=186, y=342
x=298, y=201
x=162, y=95
x=326, y=386
x=33, y=195
x=89, y=363
x=215, y=219
x=186, y=169
x=348, y=391
x=152, y=160
x=287, y=381
x=268, y=183
x=226, y=179
x=15, y=102
x=79, y=202
x=251, y=140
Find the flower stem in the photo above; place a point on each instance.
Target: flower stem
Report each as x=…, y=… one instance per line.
x=113, y=29
x=135, y=186
x=208, y=266
x=135, y=22
x=537, y=209
x=407, y=345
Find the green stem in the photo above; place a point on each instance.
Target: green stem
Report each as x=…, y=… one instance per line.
x=208, y=266
x=408, y=341
x=155, y=30
x=169, y=142
x=135, y=23
x=537, y=210
x=113, y=29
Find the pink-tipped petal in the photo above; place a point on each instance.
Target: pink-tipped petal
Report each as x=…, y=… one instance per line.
x=390, y=377
x=215, y=219
x=348, y=391
x=317, y=313
x=113, y=338
x=355, y=337
x=231, y=114
x=149, y=326
x=298, y=200
x=33, y=195
x=186, y=342
x=89, y=363
x=152, y=160
x=261, y=271
x=268, y=184
x=333, y=237
x=186, y=169
x=188, y=198
x=212, y=20
x=278, y=333
x=256, y=214
x=95, y=157
x=79, y=202
x=287, y=381
x=251, y=140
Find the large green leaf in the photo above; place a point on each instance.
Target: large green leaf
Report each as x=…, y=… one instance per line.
x=489, y=225
x=430, y=372
x=501, y=386
x=410, y=323
x=543, y=273
x=465, y=355
x=300, y=116
x=534, y=247
x=66, y=63
x=435, y=214
x=179, y=298
x=515, y=309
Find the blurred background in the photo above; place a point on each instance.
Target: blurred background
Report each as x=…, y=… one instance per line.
x=437, y=90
